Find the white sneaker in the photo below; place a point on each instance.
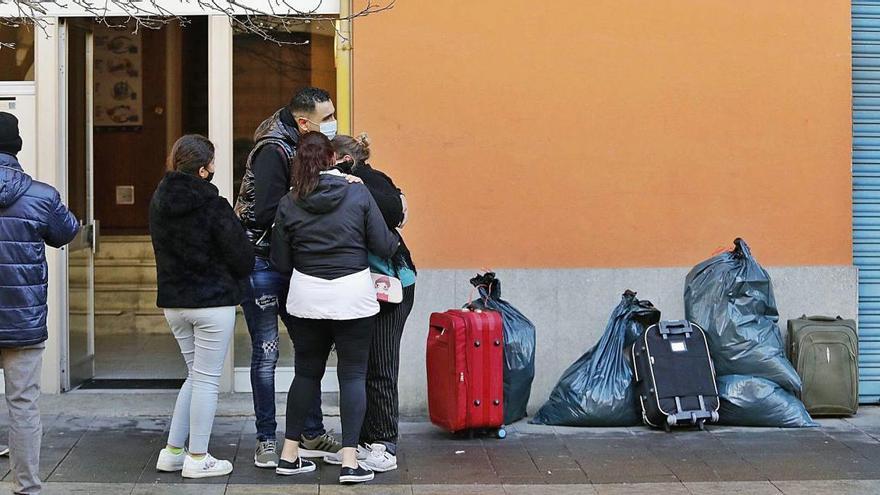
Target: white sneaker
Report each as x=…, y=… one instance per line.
x=336, y=459
x=380, y=460
x=170, y=462
x=205, y=467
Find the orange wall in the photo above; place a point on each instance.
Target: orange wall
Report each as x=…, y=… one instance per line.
x=612, y=133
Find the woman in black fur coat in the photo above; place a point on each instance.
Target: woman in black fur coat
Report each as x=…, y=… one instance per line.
x=202, y=260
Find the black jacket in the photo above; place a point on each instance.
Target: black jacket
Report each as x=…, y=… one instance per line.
x=328, y=233
x=203, y=257
x=387, y=196
x=267, y=176
x=31, y=216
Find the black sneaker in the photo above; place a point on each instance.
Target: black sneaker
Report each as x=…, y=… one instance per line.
x=360, y=474
x=299, y=466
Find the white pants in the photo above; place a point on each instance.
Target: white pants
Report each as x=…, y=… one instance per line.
x=203, y=335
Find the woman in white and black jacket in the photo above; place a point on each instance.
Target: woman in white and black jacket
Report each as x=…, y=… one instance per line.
x=324, y=229
x=379, y=434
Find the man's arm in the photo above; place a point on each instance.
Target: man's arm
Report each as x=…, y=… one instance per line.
x=61, y=226
x=271, y=182
x=281, y=252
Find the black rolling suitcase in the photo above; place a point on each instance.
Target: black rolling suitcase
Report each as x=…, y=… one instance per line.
x=675, y=378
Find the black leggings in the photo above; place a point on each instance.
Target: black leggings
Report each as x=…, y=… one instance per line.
x=312, y=340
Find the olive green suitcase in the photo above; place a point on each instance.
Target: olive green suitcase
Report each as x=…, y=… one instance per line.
x=824, y=350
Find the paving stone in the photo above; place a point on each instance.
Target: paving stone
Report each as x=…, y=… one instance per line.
x=642, y=489
x=633, y=477
x=836, y=487
x=262, y=489
x=110, y=455
x=582, y=489
x=732, y=488
x=458, y=490
x=366, y=489
x=89, y=453
x=558, y=476
x=178, y=489
x=86, y=488
x=60, y=434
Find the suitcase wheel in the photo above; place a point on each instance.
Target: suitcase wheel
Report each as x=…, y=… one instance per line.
x=501, y=433
x=701, y=424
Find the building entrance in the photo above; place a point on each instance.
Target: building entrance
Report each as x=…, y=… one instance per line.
x=130, y=95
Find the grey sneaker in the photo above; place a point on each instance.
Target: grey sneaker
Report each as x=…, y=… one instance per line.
x=320, y=446
x=4, y=450
x=266, y=455
x=336, y=459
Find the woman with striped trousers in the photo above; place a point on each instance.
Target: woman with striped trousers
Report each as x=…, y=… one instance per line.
x=379, y=433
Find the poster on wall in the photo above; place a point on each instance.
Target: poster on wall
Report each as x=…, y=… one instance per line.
x=118, y=78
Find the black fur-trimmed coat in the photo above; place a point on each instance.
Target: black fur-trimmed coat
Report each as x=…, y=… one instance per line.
x=203, y=258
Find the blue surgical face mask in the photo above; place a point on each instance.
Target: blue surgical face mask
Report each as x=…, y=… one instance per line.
x=328, y=129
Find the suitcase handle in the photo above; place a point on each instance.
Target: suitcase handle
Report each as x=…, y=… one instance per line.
x=675, y=327
x=821, y=318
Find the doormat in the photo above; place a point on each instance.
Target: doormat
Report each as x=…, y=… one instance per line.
x=123, y=383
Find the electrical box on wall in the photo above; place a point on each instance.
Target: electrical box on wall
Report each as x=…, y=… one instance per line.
x=19, y=99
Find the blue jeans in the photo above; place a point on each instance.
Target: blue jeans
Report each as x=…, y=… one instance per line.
x=262, y=306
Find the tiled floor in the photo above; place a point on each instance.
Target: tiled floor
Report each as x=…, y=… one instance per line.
x=117, y=455
x=123, y=352
x=138, y=355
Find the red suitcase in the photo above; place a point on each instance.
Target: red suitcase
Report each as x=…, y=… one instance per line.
x=465, y=354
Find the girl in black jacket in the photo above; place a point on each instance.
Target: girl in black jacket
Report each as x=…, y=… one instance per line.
x=324, y=230
x=379, y=434
x=202, y=259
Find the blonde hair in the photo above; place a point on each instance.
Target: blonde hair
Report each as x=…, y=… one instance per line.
x=356, y=147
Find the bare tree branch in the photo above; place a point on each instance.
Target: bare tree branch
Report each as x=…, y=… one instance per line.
x=281, y=16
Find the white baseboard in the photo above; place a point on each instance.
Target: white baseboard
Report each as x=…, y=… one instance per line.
x=241, y=379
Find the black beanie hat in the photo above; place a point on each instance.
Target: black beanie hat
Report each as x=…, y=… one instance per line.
x=10, y=141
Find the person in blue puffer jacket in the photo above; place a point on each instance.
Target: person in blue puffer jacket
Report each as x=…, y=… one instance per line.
x=31, y=216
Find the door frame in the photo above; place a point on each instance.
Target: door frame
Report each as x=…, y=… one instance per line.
x=51, y=167
x=88, y=234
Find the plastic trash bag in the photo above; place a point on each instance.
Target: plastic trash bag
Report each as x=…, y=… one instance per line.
x=519, y=346
x=731, y=297
x=598, y=389
x=754, y=401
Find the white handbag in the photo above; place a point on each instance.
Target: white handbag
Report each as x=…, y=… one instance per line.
x=388, y=288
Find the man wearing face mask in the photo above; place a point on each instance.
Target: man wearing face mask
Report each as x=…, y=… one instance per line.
x=266, y=180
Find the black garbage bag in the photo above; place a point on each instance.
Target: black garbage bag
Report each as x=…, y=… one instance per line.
x=598, y=389
x=755, y=401
x=519, y=346
x=731, y=297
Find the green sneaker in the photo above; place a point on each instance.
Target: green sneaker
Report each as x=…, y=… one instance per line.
x=320, y=446
x=266, y=455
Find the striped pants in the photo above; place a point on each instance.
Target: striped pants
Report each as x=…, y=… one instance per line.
x=382, y=417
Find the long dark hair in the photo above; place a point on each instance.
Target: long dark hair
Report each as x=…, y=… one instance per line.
x=190, y=153
x=313, y=155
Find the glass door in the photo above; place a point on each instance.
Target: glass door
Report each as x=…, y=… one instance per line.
x=77, y=80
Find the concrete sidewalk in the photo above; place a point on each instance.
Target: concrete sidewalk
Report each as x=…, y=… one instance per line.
x=106, y=443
